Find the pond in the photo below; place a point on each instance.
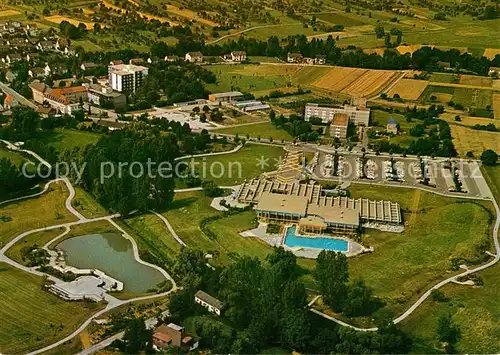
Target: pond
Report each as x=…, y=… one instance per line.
x=112, y=254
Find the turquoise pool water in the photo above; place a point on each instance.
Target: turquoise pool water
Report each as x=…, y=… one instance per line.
x=292, y=240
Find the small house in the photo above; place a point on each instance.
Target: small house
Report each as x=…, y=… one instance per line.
x=294, y=58
x=194, y=57
x=238, y=56
x=209, y=302
x=392, y=126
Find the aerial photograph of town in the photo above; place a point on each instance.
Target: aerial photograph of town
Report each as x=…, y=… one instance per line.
x=249, y=177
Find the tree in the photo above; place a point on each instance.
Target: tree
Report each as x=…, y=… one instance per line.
x=447, y=331
x=380, y=31
x=332, y=274
x=358, y=299
x=137, y=337
x=211, y=189
x=489, y=157
x=25, y=122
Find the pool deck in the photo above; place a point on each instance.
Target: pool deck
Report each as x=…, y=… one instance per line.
x=354, y=248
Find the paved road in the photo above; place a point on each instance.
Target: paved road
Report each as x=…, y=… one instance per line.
x=21, y=99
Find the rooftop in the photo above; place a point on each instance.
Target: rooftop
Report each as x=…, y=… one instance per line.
x=227, y=94
x=208, y=299
x=340, y=119
x=281, y=203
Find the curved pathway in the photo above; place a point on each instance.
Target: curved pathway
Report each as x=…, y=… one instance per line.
x=245, y=30
x=237, y=148
x=170, y=229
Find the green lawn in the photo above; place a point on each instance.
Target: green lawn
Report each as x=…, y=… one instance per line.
x=45, y=210
x=263, y=130
x=232, y=169
x=443, y=94
x=466, y=98
x=444, y=78
x=15, y=158
x=36, y=239
x=85, y=203
x=474, y=309
x=31, y=317
x=66, y=139
x=492, y=176
x=336, y=18
x=194, y=207
x=404, y=265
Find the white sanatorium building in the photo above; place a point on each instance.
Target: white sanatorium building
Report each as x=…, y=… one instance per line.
x=126, y=77
x=358, y=116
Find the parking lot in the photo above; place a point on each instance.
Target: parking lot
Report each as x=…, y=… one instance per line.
x=404, y=172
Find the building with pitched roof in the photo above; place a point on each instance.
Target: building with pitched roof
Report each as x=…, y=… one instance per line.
x=209, y=302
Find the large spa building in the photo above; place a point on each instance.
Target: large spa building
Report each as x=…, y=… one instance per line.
x=307, y=206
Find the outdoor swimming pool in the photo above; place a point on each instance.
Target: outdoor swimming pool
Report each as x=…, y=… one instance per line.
x=292, y=240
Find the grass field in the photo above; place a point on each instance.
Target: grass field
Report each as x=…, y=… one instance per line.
x=232, y=169
x=264, y=130
x=31, y=317
x=474, y=309
x=67, y=139
x=496, y=106
x=492, y=176
x=405, y=265
x=409, y=89
x=195, y=206
x=36, y=239
x=336, y=18
x=442, y=93
x=15, y=158
x=46, y=210
x=444, y=78
x=476, y=80
x=470, y=140
x=84, y=203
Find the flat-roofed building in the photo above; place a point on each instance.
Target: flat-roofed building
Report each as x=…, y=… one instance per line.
x=339, y=125
x=357, y=115
x=126, y=77
x=314, y=211
x=224, y=96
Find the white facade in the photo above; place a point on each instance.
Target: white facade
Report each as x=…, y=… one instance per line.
x=126, y=77
x=210, y=308
x=356, y=115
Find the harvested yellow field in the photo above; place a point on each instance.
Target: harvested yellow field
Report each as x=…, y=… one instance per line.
x=470, y=140
x=476, y=80
x=339, y=78
x=490, y=53
x=496, y=84
x=409, y=49
x=370, y=83
x=468, y=120
x=189, y=14
x=7, y=13
x=58, y=19
x=496, y=106
x=409, y=89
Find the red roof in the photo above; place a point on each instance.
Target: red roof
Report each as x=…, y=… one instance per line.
x=8, y=100
x=162, y=336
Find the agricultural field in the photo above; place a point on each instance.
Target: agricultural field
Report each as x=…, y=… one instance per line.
x=478, y=100
x=405, y=265
x=476, y=80
x=31, y=317
x=264, y=130
x=474, y=309
x=475, y=141
x=491, y=53
x=58, y=19
x=492, y=176
x=496, y=106
x=8, y=13
x=444, y=78
x=409, y=89
x=232, y=169
x=356, y=82
x=49, y=207
x=337, y=18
